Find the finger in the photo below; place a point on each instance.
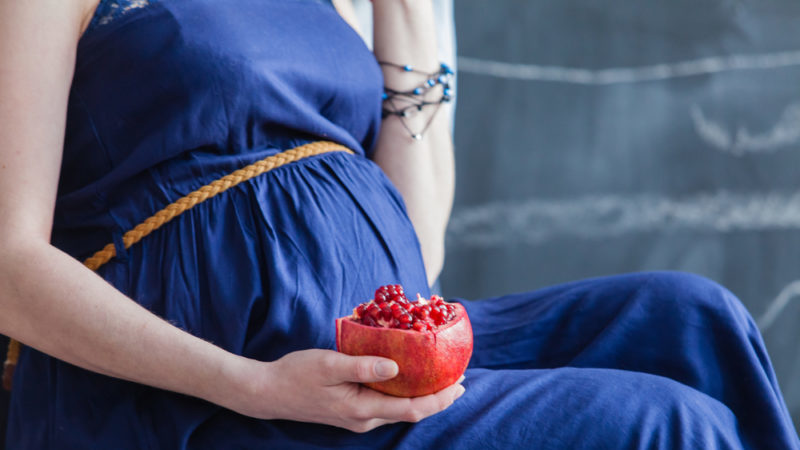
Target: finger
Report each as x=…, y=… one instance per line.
x=361, y=369
x=429, y=405
x=368, y=425
x=410, y=409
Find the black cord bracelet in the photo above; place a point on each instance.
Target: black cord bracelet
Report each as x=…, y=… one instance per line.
x=413, y=99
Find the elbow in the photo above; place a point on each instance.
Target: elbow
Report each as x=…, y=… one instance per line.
x=19, y=261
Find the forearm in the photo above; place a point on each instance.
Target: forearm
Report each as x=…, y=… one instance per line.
x=422, y=170
x=53, y=303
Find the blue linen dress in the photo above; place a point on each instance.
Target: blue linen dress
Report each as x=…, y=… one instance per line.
x=170, y=95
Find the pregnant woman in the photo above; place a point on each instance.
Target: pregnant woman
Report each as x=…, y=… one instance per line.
x=215, y=329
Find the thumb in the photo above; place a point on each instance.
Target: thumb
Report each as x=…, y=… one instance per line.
x=366, y=369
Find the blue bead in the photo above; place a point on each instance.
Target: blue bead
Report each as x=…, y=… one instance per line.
x=431, y=82
x=448, y=92
x=442, y=79
x=408, y=68
x=384, y=96
x=417, y=91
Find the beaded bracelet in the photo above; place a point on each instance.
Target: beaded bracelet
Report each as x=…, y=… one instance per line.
x=413, y=99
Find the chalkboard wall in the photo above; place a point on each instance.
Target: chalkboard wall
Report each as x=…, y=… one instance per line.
x=595, y=138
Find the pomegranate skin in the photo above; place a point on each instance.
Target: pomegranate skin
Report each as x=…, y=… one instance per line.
x=429, y=361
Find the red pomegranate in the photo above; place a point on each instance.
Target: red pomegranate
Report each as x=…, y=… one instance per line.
x=430, y=340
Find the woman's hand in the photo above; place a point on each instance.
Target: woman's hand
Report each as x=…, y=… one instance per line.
x=323, y=386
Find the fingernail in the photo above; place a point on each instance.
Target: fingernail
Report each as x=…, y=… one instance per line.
x=460, y=379
x=386, y=369
x=460, y=391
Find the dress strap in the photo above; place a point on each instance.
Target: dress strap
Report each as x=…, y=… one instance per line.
x=180, y=206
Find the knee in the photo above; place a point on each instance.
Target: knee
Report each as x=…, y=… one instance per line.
x=672, y=415
x=691, y=298
x=639, y=410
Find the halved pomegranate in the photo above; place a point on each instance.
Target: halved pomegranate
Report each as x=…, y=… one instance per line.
x=430, y=340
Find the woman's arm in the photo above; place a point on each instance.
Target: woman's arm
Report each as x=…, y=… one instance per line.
x=49, y=300
x=422, y=170
x=53, y=303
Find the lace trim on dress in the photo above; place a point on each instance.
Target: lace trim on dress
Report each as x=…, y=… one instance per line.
x=109, y=10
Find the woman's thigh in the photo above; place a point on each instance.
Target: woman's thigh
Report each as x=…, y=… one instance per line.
x=542, y=409
x=675, y=325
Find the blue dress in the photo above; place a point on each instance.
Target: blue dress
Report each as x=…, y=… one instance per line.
x=170, y=95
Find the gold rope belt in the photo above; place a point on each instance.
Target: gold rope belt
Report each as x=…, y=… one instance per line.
x=181, y=205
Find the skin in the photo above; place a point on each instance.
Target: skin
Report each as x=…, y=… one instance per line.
x=53, y=303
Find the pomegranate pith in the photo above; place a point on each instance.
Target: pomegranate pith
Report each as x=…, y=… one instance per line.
x=429, y=339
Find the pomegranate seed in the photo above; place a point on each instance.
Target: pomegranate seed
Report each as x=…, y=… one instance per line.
x=390, y=308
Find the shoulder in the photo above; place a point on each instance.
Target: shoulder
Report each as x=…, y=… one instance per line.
x=45, y=18
x=87, y=10
x=74, y=14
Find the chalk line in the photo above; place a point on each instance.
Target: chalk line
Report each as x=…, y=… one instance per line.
x=534, y=221
x=788, y=293
x=616, y=75
x=784, y=133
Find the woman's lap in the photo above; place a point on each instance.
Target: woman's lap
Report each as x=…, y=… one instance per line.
x=534, y=408
x=580, y=408
x=650, y=360
x=674, y=325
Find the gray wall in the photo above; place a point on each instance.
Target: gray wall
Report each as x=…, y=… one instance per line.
x=602, y=137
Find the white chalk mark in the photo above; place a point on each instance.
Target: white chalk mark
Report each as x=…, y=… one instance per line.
x=711, y=132
x=616, y=75
x=788, y=293
x=535, y=221
x=785, y=132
